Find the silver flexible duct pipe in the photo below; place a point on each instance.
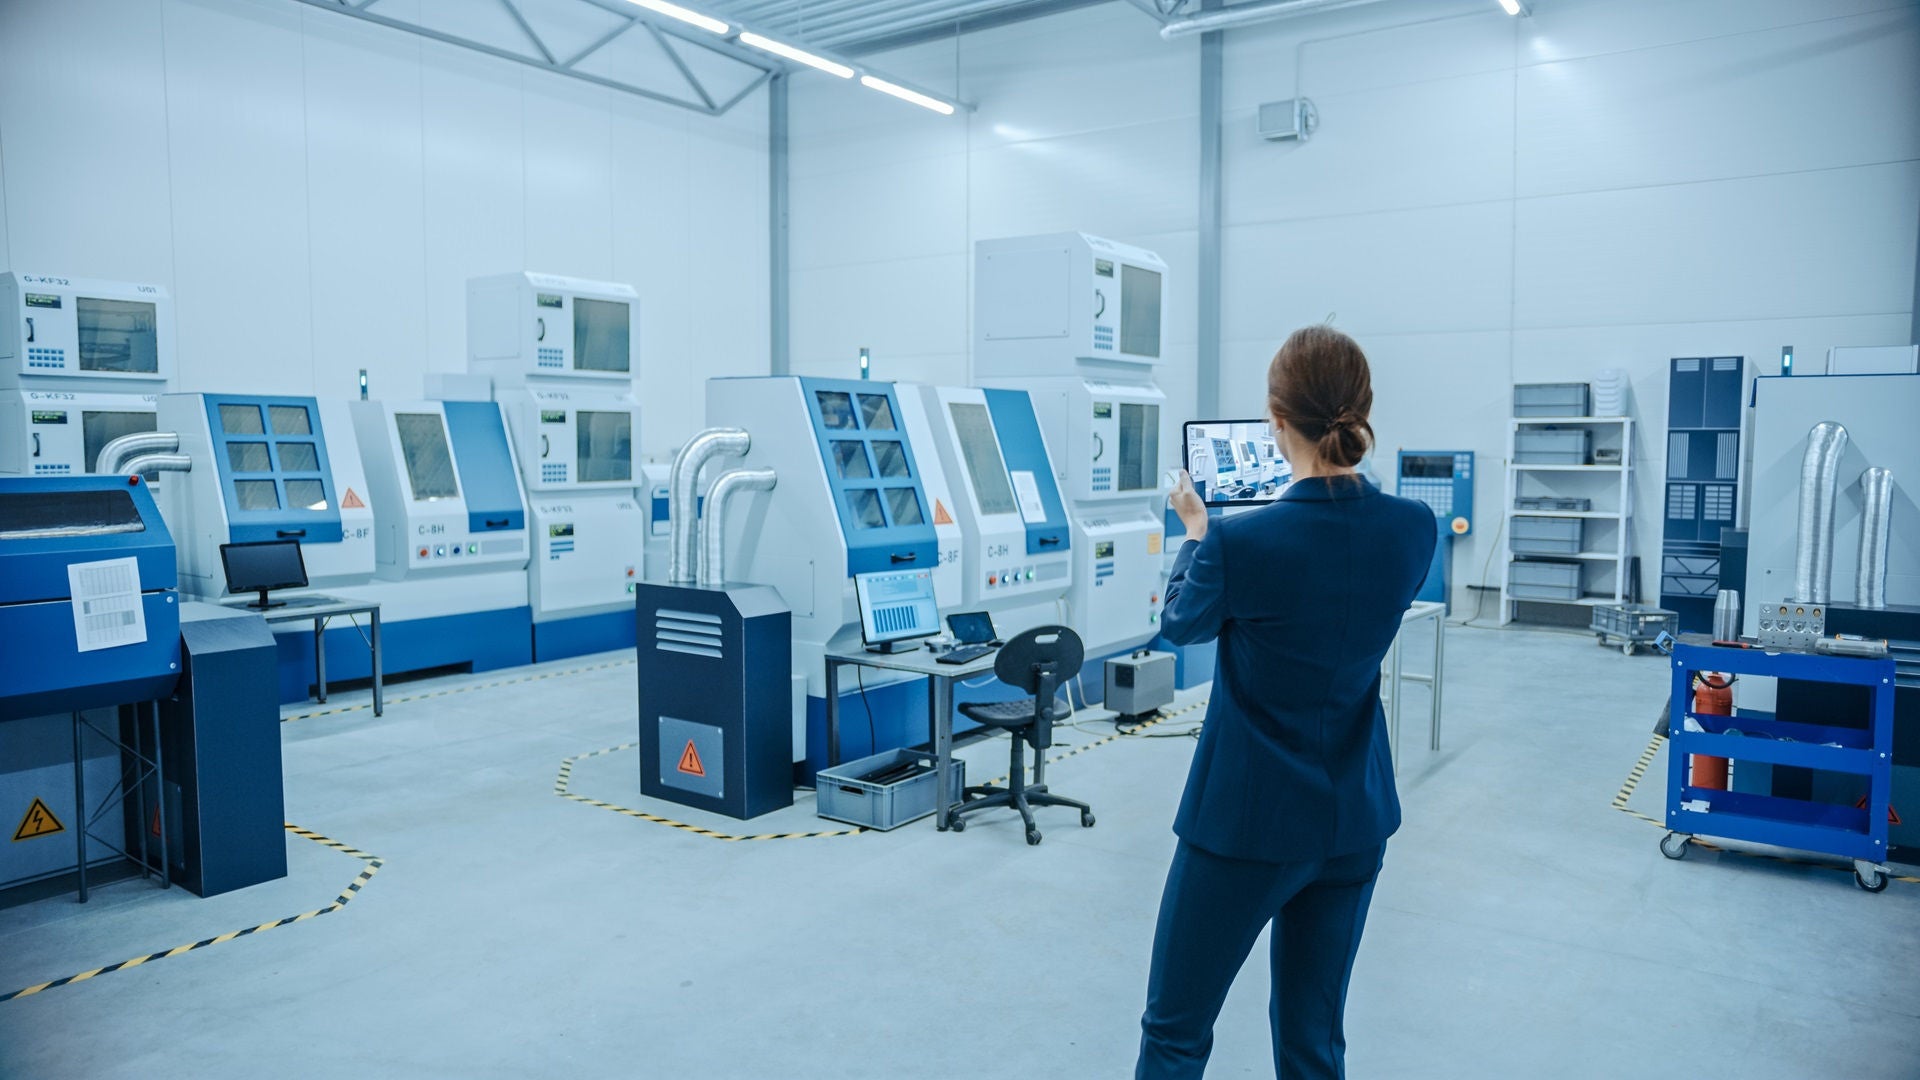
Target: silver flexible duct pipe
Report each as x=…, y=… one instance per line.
x=683, y=499
x=1819, y=494
x=713, y=529
x=113, y=456
x=1876, y=524
x=146, y=463
x=1227, y=18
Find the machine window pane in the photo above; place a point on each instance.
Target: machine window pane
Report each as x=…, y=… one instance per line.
x=256, y=495
x=602, y=331
x=97, y=429
x=877, y=411
x=981, y=451
x=604, y=442
x=298, y=457
x=291, y=420
x=904, y=503
x=117, y=335
x=1139, y=311
x=866, y=509
x=248, y=457
x=39, y=514
x=1139, y=447
x=892, y=459
x=836, y=411
x=423, y=442
x=241, y=420
x=851, y=459
x=306, y=495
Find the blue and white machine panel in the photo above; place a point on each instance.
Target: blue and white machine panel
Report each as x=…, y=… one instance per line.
x=873, y=474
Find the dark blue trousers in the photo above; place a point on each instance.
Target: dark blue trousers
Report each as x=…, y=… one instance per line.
x=1211, y=914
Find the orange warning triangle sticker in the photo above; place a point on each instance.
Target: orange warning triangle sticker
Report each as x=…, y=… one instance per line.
x=351, y=501
x=1893, y=816
x=154, y=825
x=940, y=515
x=38, y=822
x=690, y=761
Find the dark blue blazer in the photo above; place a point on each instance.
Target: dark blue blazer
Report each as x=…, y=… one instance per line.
x=1304, y=595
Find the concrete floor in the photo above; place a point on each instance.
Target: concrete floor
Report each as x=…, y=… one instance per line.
x=1522, y=928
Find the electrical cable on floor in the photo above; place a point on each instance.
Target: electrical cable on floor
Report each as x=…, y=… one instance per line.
x=873, y=739
x=1493, y=548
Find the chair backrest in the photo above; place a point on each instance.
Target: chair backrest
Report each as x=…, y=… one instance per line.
x=1052, y=654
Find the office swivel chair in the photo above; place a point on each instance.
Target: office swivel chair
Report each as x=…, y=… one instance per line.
x=1039, y=662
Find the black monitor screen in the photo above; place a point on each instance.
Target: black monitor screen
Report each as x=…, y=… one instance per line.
x=265, y=564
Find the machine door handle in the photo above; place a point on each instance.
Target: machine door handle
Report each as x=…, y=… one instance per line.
x=545, y=446
x=1049, y=541
x=908, y=557
x=29, y=329
x=290, y=532
x=1099, y=447
x=541, y=333
x=497, y=523
x=36, y=444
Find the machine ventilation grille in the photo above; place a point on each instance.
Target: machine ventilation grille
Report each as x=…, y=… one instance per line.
x=688, y=632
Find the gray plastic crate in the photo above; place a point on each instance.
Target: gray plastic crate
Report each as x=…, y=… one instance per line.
x=1633, y=624
x=1542, y=579
x=1551, y=502
x=1552, y=399
x=844, y=796
x=1548, y=536
x=1552, y=446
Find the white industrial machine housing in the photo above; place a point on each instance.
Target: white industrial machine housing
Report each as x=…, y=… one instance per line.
x=1077, y=322
x=558, y=354
x=82, y=363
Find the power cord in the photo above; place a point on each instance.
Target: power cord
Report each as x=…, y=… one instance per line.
x=873, y=739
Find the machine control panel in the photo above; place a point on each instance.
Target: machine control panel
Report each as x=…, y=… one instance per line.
x=550, y=327
x=73, y=328
x=1443, y=479
x=1045, y=301
x=1791, y=625
x=61, y=433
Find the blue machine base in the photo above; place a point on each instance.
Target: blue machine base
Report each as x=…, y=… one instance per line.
x=582, y=635
x=478, y=641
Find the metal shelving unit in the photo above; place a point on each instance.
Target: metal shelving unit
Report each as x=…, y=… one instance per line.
x=1608, y=484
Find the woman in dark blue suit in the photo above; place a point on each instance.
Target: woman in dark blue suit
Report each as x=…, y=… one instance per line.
x=1290, y=799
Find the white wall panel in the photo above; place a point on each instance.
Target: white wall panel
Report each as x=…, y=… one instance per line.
x=1561, y=31
x=1725, y=107
x=85, y=141
x=894, y=209
x=897, y=308
x=1824, y=243
x=366, y=187
x=1114, y=182
x=1431, y=144
x=1364, y=48
x=1441, y=268
x=569, y=168
x=474, y=205
x=726, y=261
x=242, y=288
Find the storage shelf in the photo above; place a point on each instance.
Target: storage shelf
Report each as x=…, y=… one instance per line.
x=1585, y=601
x=1564, y=468
x=1607, y=514
x=1519, y=420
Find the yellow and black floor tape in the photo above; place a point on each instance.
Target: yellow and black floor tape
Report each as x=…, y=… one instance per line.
x=452, y=690
x=1640, y=770
x=1136, y=729
x=563, y=787
x=346, y=896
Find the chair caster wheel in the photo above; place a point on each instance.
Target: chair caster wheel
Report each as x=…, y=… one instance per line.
x=1674, y=845
x=956, y=823
x=1033, y=837
x=1086, y=820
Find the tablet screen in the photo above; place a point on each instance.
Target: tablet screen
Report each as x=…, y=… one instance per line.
x=1234, y=462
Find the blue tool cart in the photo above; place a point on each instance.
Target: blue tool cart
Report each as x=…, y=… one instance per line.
x=1851, y=832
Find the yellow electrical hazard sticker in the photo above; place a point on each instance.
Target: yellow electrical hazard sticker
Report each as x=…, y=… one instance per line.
x=38, y=822
x=1153, y=544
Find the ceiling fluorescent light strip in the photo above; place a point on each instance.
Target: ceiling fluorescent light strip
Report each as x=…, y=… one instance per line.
x=1514, y=7
x=904, y=94
x=693, y=18
x=799, y=56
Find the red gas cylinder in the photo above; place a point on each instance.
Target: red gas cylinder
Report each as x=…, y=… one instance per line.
x=1712, y=696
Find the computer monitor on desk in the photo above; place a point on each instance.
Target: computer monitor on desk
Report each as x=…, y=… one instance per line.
x=264, y=565
x=896, y=606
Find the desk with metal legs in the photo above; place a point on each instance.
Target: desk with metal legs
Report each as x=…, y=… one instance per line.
x=1390, y=687
x=318, y=610
x=940, y=679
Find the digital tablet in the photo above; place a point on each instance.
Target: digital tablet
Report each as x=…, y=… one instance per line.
x=1234, y=462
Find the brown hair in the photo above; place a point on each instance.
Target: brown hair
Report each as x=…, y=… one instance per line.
x=1319, y=385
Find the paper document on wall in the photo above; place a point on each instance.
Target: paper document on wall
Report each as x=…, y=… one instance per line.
x=1033, y=510
x=106, y=603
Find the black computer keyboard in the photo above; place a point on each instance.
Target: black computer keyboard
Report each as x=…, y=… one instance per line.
x=964, y=654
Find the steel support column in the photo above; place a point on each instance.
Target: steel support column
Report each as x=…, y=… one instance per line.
x=779, y=362
x=1207, y=366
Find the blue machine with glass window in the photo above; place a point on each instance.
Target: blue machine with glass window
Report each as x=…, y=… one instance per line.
x=1443, y=479
x=870, y=467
